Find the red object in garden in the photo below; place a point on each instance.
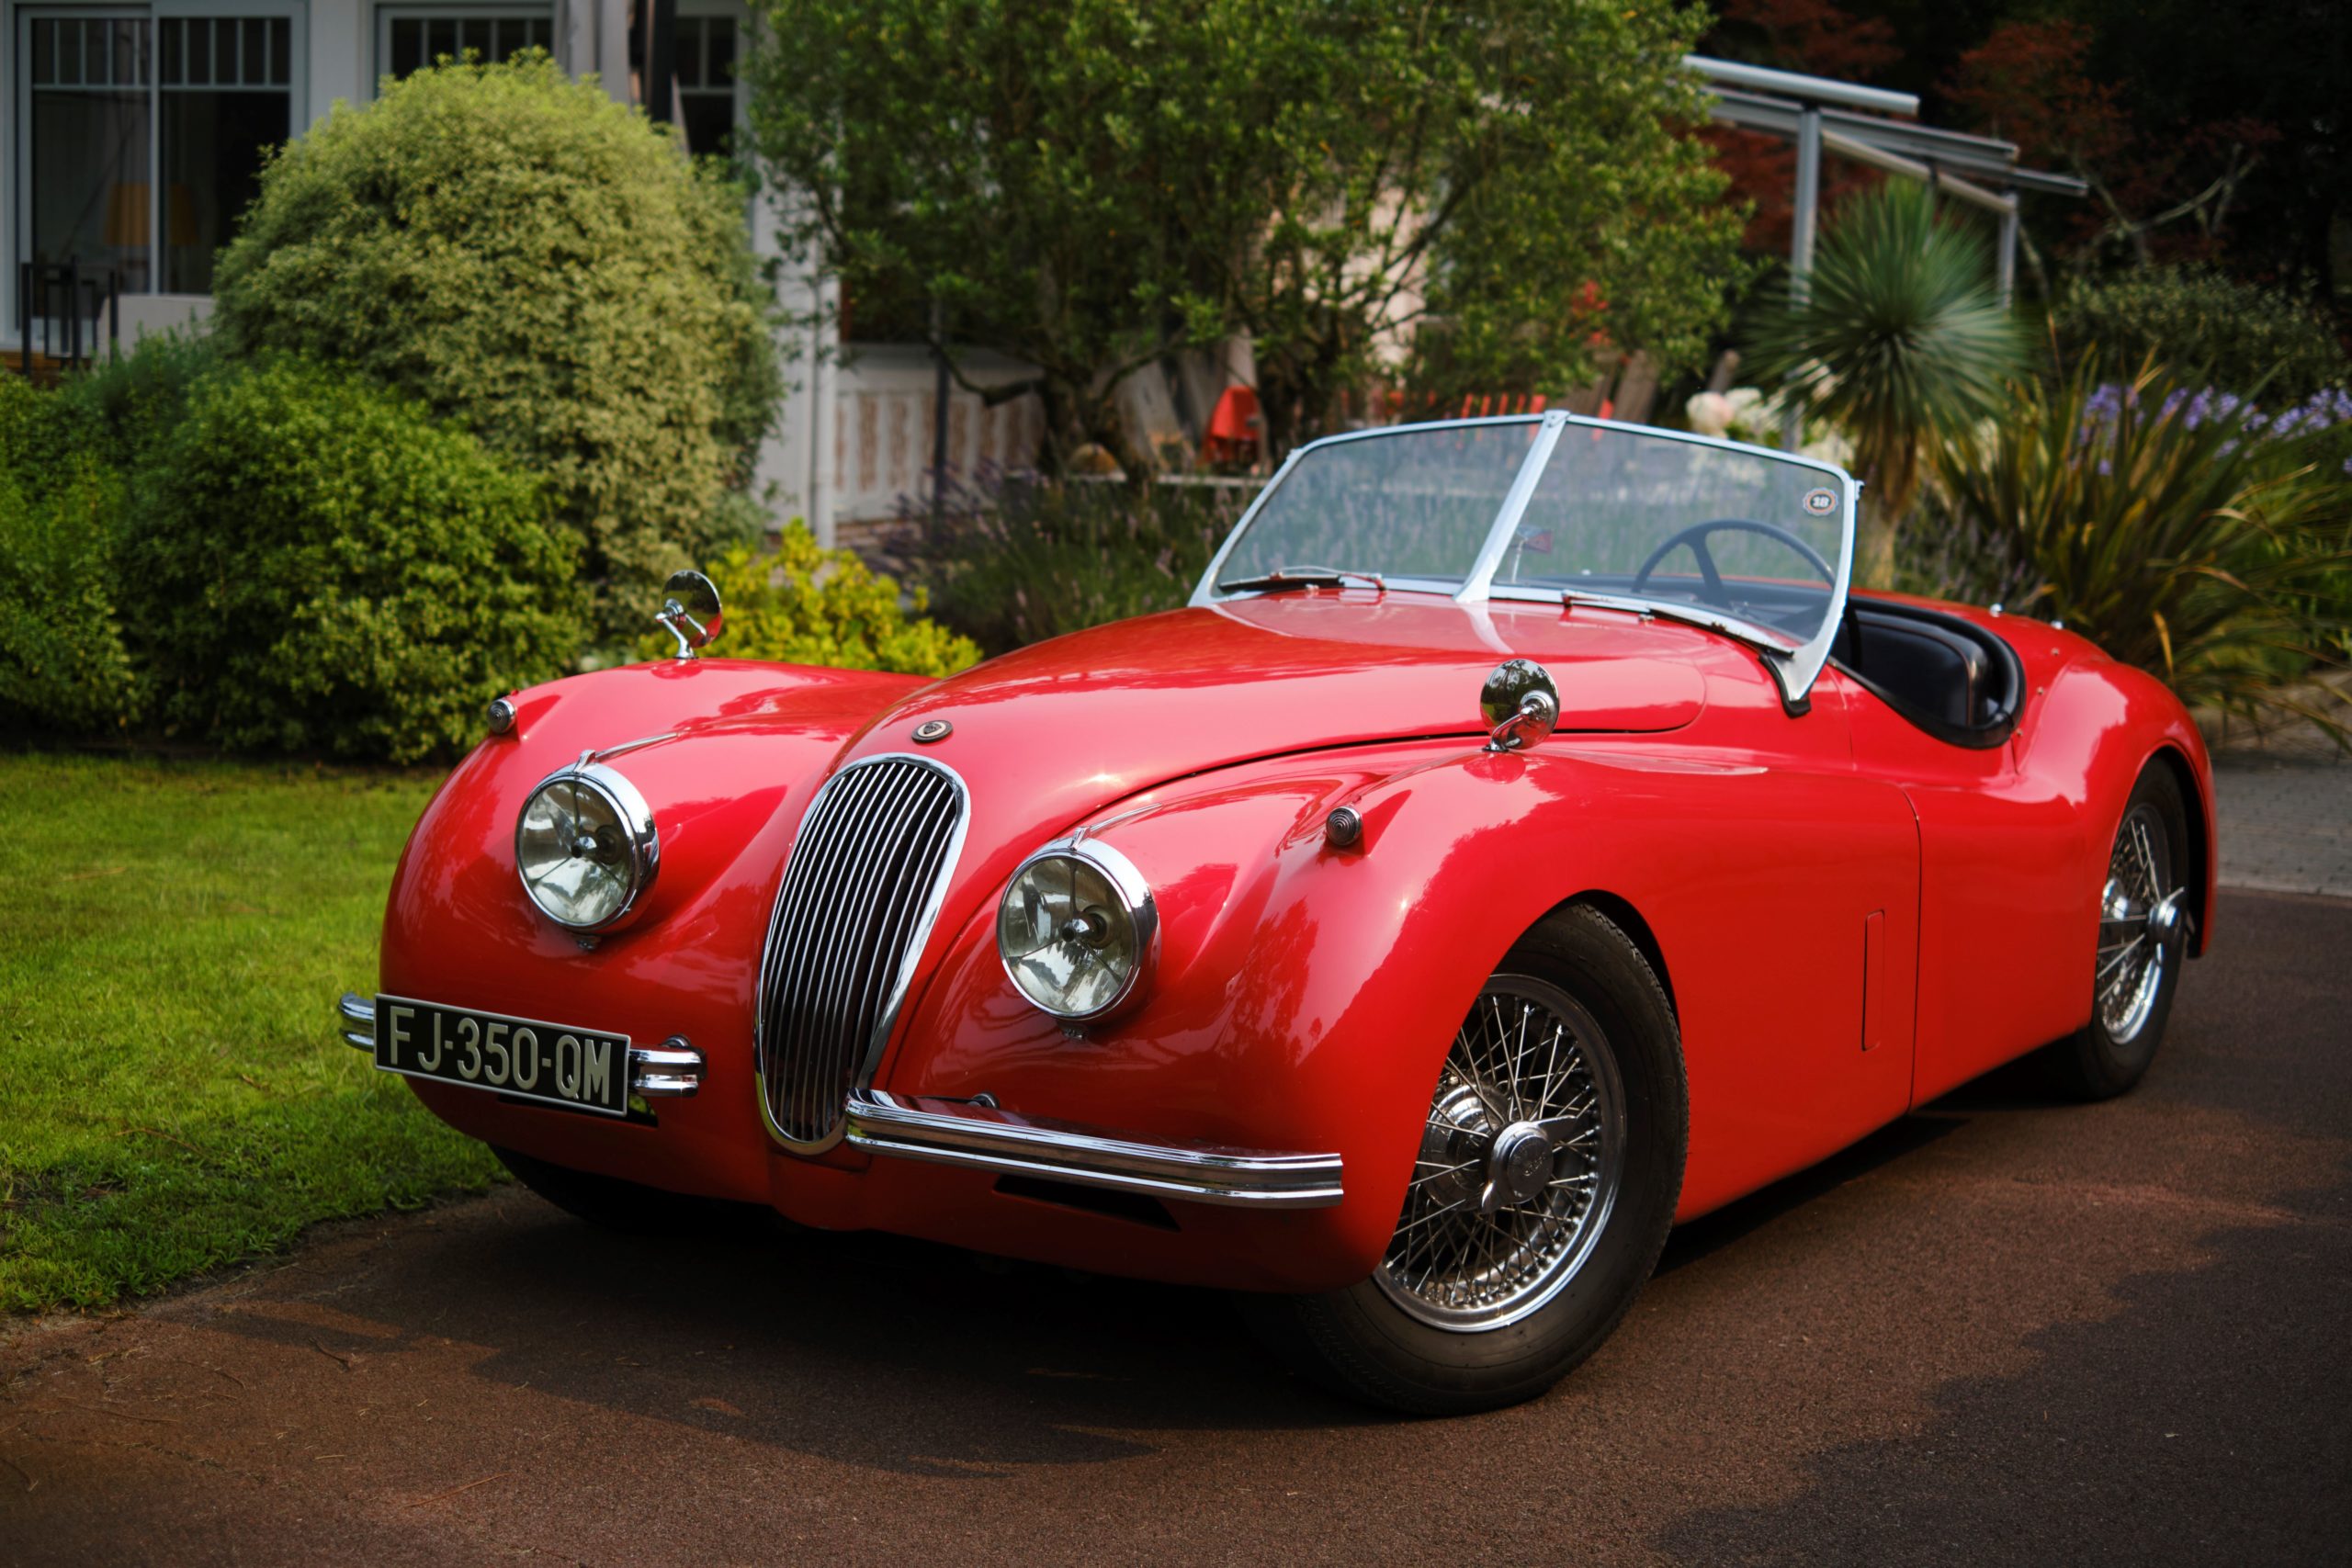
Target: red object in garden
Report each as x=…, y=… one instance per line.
x=1235, y=426
x=1406, y=953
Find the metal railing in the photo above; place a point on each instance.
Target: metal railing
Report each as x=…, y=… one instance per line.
x=60, y=307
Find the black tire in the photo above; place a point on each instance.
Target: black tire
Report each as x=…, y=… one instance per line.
x=1360, y=1342
x=610, y=1204
x=2094, y=1063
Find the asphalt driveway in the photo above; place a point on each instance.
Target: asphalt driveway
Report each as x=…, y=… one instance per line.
x=2004, y=1328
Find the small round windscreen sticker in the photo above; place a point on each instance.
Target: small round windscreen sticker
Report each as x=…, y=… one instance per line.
x=1821, y=502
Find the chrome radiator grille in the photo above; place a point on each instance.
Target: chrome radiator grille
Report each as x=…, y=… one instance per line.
x=859, y=896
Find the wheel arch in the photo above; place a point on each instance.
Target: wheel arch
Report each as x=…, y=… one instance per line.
x=1622, y=913
x=2198, y=815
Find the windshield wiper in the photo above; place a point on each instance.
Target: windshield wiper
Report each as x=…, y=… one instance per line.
x=1708, y=620
x=1301, y=577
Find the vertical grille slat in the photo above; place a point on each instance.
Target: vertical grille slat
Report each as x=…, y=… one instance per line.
x=857, y=900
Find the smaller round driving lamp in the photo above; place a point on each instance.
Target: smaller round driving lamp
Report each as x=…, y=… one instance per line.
x=1076, y=929
x=585, y=847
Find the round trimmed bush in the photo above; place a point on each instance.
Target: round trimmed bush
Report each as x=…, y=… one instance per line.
x=315, y=565
x=543, y=265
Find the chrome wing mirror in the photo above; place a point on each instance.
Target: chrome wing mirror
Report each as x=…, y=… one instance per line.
x=690, y=612
x=1520, y=704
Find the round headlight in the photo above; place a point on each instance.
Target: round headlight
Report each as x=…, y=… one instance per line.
x=585, y=846
x=1076, y=928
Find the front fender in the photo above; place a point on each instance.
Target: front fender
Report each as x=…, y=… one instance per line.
x=459, y=928
x=1305, y=997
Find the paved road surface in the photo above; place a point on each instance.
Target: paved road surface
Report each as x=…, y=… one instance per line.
x=2286, y=821
x=2004, y=1329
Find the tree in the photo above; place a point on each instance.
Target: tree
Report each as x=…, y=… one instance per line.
x=1089, y=184
x=1511, y=187
x=1901, y=339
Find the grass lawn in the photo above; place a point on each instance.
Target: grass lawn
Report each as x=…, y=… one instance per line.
x=173, y=1094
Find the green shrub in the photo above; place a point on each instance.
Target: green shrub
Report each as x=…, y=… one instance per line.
x=1033, y=559
x=2205, y=325
x=315, y=565
x=2172, y=529
x=542, y=265
x=63, y=665
x=807, y=605
x=121, y=409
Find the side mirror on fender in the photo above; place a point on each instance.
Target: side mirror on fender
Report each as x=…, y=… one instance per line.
x=690, y=612
x=1520, y=703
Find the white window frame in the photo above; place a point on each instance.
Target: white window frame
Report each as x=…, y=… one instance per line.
x=740, y=14
x=547, y=11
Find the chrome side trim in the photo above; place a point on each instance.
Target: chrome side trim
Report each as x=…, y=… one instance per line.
x=672, y=1070
x=984, y=1137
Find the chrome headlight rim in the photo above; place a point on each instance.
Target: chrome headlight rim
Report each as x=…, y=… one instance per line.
x=1141, y=909
x=637, y=821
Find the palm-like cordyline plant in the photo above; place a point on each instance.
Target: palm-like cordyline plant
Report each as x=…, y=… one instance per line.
x=1901, y=340
x=2182, y=538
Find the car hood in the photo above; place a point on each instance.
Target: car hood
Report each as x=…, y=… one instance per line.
x=1099, y=715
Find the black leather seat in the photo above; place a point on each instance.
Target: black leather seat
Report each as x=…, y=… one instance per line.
x=1953, y=679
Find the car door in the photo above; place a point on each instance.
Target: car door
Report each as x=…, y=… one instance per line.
x=1998, y=851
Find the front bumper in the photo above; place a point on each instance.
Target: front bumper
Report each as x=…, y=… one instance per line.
x=976, y=1133
x=979, y=1134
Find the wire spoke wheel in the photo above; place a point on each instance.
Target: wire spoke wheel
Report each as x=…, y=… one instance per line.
x=1520, y=1161
x=2139, y=917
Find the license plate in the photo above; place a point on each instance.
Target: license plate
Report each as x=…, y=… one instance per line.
x=554, y=1063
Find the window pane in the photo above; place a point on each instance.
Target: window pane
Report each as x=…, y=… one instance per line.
x=224, y=50
x=200, y=51
x=689, y=53
x=167, y=37
x=69, y=53
x=281, y=51
x=256, y=56
x=542, y=32
x=90, y=190
x=408, y=45
x=214, y=143
x=722, y=52
x=440, y=38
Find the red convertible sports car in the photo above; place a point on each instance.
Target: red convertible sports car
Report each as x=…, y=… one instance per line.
x=1522, y=841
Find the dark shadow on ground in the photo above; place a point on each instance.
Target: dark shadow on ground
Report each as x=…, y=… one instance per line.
x=2193, y=1424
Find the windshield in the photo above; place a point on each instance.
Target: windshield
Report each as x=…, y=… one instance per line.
x=1732, y=537
x=1417, y=506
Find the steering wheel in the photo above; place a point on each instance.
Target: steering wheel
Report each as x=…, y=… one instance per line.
x=1712, y=580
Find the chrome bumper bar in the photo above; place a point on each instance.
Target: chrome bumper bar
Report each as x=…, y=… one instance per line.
x=956, y=1132
x=980, y=1136
x=672, y=1070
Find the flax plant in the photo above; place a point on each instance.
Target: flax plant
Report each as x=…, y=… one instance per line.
x=2180, y=536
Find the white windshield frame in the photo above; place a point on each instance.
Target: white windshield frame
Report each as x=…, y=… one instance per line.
x=1794, y=665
